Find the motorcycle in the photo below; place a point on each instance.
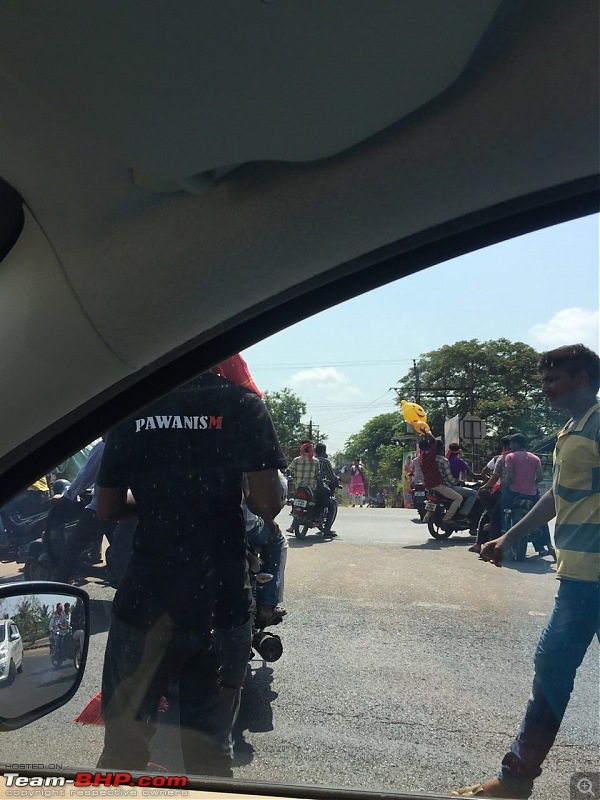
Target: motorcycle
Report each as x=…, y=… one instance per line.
x=540, y=538
x=42, y=556
x=305, y=512
x=420, y=499
x=70, y=650
x=22, y=527
x=436, y=508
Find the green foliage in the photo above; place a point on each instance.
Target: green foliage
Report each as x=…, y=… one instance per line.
x=380, y=432
x=286, y=410
x=390, y=463
x=32, y=619
x=496, y=380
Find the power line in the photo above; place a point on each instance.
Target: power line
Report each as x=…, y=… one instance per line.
x=345, y=364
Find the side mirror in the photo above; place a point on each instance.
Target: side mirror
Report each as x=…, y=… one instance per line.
x=44, y=672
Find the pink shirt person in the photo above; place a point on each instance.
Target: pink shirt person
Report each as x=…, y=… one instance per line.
x=523, y=472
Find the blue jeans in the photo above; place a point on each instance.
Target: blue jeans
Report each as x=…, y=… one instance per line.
x=325, y=500
x=270, y=552
x=562, y=646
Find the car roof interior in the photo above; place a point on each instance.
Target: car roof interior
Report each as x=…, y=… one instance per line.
x=178, y=182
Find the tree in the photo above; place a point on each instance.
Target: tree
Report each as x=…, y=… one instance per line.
x=31, y=618
x=384, y=430
x=286, y=410
x=495, y=380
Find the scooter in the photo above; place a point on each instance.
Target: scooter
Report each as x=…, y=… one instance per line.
x=436, y=508
x=304, y=510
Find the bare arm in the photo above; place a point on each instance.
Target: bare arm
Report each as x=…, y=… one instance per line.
x=264, y=493
x=542, y=512
x=114, y=505
x=510, y=474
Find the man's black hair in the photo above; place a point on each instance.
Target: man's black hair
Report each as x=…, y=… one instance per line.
x=505, y=441
x=573, y=358
x=320, y=448
x=519, y=439
x=424, y=445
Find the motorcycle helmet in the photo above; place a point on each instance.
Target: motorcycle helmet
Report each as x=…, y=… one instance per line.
x=60, y=486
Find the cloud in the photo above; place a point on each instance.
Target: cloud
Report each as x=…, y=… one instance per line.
x=567, y=327
x=327, y=379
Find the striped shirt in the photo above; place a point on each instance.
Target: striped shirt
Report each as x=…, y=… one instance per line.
x=576, y=488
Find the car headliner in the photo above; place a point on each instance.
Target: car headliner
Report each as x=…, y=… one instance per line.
x=194, y=181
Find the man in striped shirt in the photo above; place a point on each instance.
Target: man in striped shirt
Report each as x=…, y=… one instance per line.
x=570, y=380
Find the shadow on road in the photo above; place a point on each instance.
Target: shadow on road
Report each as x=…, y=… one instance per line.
x=440, y=544
x=99, y=616
x=256, y=712
x=533, y=565
x=293, y=541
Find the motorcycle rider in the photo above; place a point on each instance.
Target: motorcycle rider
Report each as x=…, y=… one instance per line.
x=304, y=469
x=89, y=531
x=459, y=467
x=78, y=622
x=432, y=476
x=326, y=483
x=448, y=478
x=58, y=629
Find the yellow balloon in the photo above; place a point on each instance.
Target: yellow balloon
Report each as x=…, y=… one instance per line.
x=415, y=415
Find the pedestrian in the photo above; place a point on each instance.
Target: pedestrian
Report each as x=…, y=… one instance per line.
x=357, y=483
x=570, y=381
x=182, y=612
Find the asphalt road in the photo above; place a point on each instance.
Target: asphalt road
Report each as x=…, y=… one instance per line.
x=38, y=683
x=406, y=666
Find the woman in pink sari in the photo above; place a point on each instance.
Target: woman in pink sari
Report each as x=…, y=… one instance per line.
x=357, y=483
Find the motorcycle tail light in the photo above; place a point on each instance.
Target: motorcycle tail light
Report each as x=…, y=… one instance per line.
x=301, y=494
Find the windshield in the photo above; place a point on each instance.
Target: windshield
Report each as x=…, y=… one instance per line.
x=381, y=652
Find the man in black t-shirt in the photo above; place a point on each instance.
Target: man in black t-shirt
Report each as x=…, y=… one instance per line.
x=183, y=609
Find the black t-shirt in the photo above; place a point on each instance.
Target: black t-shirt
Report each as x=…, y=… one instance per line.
x=183, y=458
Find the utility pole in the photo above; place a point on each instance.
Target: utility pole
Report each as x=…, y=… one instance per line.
x=417, y=382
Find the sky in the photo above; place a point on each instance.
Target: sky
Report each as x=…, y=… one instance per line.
x=541, y=289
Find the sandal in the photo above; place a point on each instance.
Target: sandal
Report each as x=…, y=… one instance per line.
x=475, y=548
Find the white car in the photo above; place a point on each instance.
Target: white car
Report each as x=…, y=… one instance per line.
x=11, y=651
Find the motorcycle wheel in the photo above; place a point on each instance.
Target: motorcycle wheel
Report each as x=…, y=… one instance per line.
x=421, y=512
x=300, y=530
x=519, y=551
x=77, y=656
x=437, y=531
x=12, y=674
